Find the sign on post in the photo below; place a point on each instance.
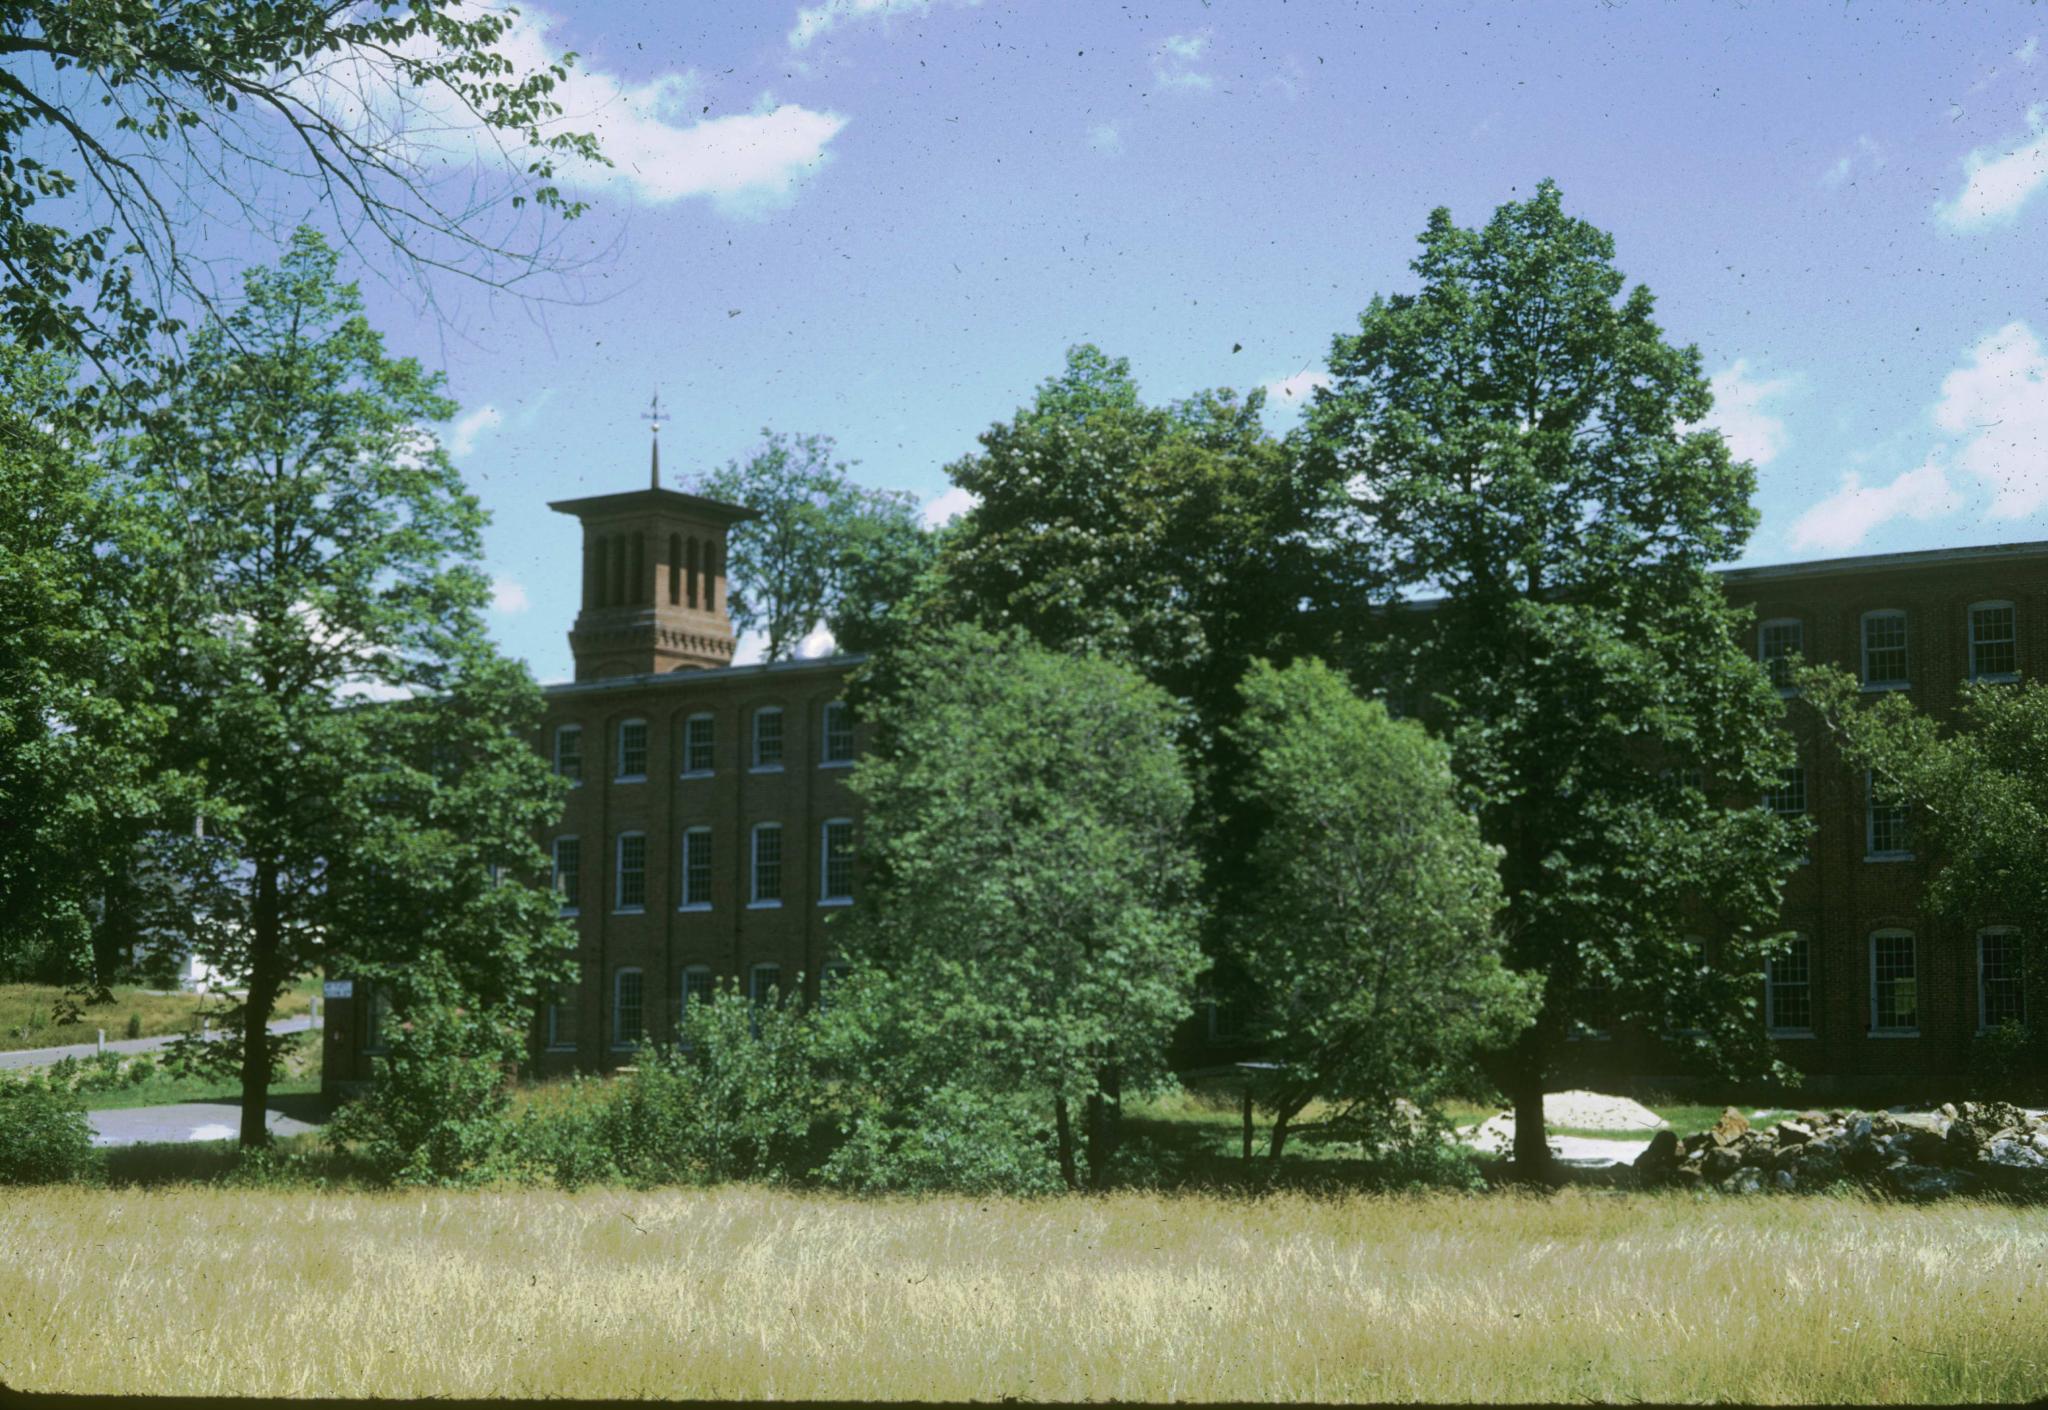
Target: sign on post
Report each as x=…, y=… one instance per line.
x=339, y=989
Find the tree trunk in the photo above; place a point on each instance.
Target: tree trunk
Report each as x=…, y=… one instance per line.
x=1532, y=1148
x=1280, y=1120
x=256, y=1012
x=1063, y=1127
x=1105, y=1108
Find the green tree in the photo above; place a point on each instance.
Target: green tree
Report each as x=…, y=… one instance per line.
x=78, y=725
x=315, y=543
x=1370, y=930
x=1515, y=438
x=118, y=118
x=1976, y=786
x=824, y=549
x=1028, y=918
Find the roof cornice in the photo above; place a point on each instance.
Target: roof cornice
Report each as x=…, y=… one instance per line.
x=1887, y=562
x=679, y=679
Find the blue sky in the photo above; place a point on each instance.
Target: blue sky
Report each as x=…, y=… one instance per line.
x=885, y=220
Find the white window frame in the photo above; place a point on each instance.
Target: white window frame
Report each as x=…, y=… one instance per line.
x=1913, y=950
x=711, y=720
x=825, y=896
x=2003, y=932
x=562, y=731
x=555, y=1042
x=826, y=758
x=688, y=901
x=1771, y=986
x=755, y=900
x=1763, y=656
x=1970, y=631
x=571, y=905
x=755, y=987
x=1906, y=648
x=619, y=774
x=781, y=741
x=619, y=1044
x=1870, y=848
x=619, y=906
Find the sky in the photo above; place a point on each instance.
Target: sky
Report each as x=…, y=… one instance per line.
x=885, y=220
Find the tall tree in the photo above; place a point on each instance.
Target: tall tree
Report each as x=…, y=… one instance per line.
x=119, y=118
x=318, y=544
x=78, y=725
x=1370, y=928
x=1027, y=887
x=1515, y=435
x=823, y=550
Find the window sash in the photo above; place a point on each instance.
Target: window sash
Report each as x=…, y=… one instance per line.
x=633, y=749
x=2001, y=979
x=1788, y=799
x=632, y=881
x=569, y=752
x=698, y=737
x=767, y=739
x=1884, y=649
x=836, y=864
x=1894, y=987
x=568, y=878
x=697, y=867
x=1994, y=641
x=561, y=1025
x=628, y=1008
x=768, y=862
x=838, y=733
x=1777, y=643
x=1788, y=989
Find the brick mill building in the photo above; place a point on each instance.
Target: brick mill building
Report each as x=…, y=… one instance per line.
x=709, y=834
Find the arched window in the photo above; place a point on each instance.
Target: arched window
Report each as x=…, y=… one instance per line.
x=675, y=569
x=693, y=570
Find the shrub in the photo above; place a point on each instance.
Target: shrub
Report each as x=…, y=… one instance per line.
x=2005, y=1063
x=435, y=1114
x=954, y=1140
x=141, y=1069
x=134, y=1025
x=44, y=1134
x=569, y=1141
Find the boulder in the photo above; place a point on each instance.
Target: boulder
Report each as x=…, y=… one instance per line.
x=1662, y=1156
x=1729, y=1128
x=1820, y=1164
x=1746, y=1181
x=1932, y=1122
x=1909, y=1181
x=1794, y=1133
x=2014, y=1167
x=1719, y=1163
x=1784, y=1181
x=1924, y=1146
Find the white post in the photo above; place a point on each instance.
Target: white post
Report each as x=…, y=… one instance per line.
x=103, y=1040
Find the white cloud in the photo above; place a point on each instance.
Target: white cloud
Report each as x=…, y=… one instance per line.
x=1105, y=138
x=462, y=438
x=2027, y=52
x=1174, y=61
x=1998, y=403
x=815, y=21
x=816, y=643
x=1998, y=180
x=661, y=147
x=1863, y=159
x=1297, y=390
x=752, y=647
x=1846, y=517
x=948, y=507
x=508, y=596
x=1752, y=433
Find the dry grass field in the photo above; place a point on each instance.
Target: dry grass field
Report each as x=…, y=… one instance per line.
x=746, y=1293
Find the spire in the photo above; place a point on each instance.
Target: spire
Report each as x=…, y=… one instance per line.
x=656, y=415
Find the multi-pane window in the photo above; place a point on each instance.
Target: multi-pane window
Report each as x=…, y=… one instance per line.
x=835, y=863
x=1788, y=989
x=697, y=740
x=696, y=989
x=697, y=869
x=838, y=744
x=767, y=887
x=1994, y=642
x=2001, y=988
x=1886, y=822
x=569, y=752
x=562, y=1025
x=768, y=738
x=628, y=1013
x=1894, y=995
x=764, y=983
x=569, y=873
x=632, y=749
x=1884, y=649
x=1777, y=643
x=1788, y=799
x=631, y=890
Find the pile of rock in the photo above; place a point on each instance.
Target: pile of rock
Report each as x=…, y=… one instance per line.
x=1973, y=1148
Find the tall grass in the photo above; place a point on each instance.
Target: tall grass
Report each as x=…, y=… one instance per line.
x=26, y=1011
x=737, y=1292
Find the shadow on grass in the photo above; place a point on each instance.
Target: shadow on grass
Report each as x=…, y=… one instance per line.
x=289, y=1160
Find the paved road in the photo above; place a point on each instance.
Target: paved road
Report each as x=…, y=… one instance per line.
x=190, y=1121
x=43, y=1057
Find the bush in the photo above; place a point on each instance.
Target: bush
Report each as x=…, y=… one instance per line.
x=954, y=1141
x=44, y=1135
x=435, y=1114
x=134, y=1025
x=569, y=1141
x=2005, y=1064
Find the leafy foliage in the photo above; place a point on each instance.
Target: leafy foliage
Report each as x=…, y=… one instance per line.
x=1371, y=931
x=436, y=1114
x=1517, y=439
x=824, y=549
x=44, y=1136
x=1028, y=920
x=115, y=114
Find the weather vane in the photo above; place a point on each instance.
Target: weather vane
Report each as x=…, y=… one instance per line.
x=655, y=415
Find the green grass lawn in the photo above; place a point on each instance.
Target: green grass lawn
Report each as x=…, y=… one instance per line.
x=118, y=1081
x=26, y=1011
